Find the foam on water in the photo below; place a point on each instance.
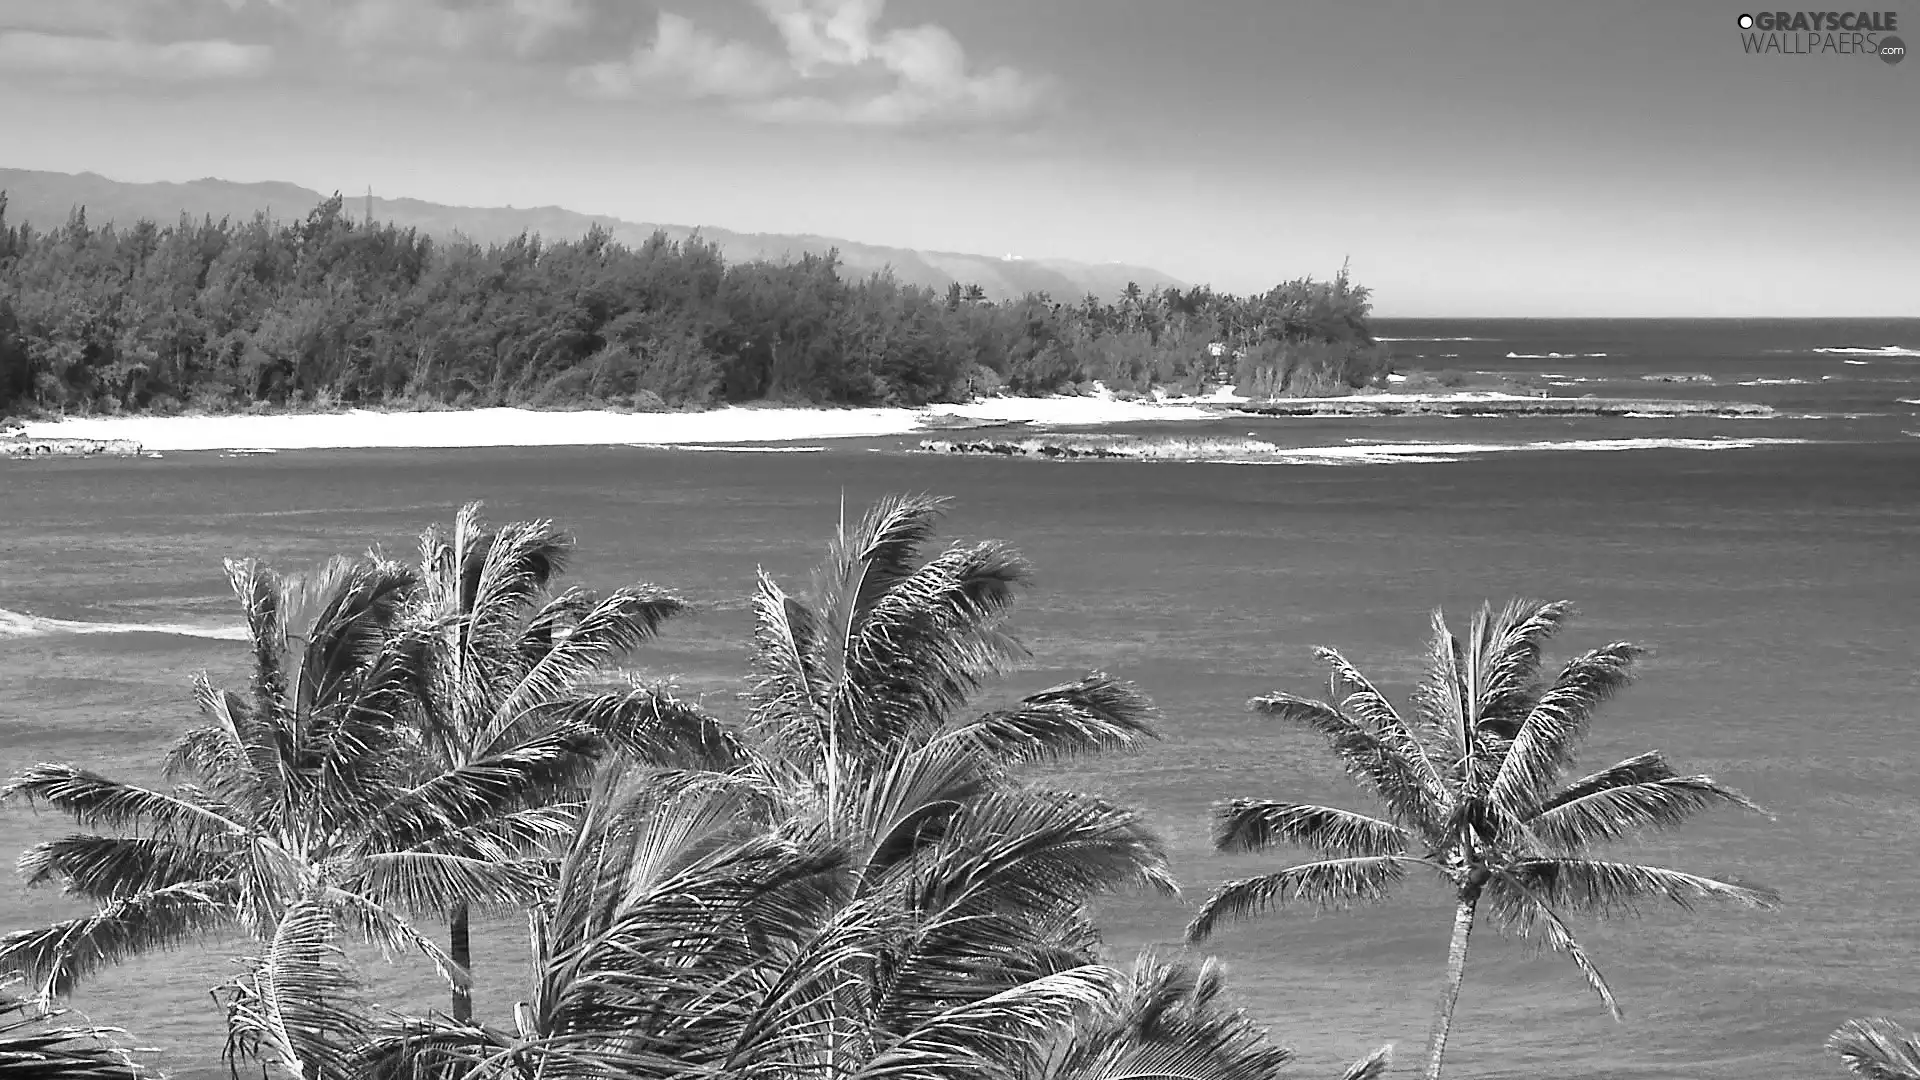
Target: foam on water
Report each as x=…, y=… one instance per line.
x=16, y=624
x=732, y=449
x=1417, y=452
x=1885, y=350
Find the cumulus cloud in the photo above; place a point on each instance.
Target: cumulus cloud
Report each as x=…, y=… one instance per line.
x=446, y=26
x=839, y=67
x=83, y=56
x=690, y=62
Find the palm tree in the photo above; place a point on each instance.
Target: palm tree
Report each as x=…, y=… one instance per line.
x=35, y=1045
x=506, y=660
x=1470, y=783
x=1877, y=1049
x=905, y=869
x=309, y=813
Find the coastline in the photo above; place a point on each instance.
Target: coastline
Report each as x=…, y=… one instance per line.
x=507, y=427
x=515, y=427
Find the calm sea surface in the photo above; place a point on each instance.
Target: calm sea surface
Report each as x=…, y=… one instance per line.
x=1778, y=586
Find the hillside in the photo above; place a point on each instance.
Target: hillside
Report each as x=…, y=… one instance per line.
x=46, y=198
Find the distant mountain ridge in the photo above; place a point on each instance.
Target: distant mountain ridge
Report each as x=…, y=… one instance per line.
x=46, y=198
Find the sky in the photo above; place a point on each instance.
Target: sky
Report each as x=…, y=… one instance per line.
x=1473, y=158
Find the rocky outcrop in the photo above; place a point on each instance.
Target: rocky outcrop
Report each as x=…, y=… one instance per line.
x=20, y=447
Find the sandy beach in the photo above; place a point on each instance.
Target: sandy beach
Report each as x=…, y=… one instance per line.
x=526, y=427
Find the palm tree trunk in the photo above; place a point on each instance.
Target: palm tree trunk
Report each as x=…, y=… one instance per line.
x=1456, y=972
x=460, y=947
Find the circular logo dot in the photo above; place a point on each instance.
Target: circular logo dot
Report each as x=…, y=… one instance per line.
x=1892, y=49
x=1746, y=22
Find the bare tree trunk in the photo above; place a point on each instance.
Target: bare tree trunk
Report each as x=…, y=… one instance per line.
x=1456, y=972
x=460, y=947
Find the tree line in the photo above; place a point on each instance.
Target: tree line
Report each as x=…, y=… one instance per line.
x=325, y=312
x=858, y=880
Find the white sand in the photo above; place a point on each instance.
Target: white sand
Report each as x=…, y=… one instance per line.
x=524, y=427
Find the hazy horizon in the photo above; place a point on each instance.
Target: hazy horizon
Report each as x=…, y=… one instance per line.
x=1492, y=159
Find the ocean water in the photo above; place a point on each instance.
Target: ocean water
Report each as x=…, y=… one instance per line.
x=1777, y=584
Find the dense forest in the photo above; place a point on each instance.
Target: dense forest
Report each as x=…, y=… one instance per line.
x=217, y=316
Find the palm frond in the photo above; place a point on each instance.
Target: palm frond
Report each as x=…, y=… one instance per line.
x=649, y=724
x=787, y=696
x=1172, y=1024
x=501, y=574
x=1094, y=714
x=1327, y=884
x=110, y=867
x=1877, y=1049
x=1638, y=794
x=1517, y=641
x=612, y=629
x=1256, y=824
x=1598, y=887
x=1395, y=769
x=35, y=1044
x=1524, y=911
x=1372, y=1067
x=1000, y=1034
x=1441, y=705
x=472, y=794
x=93, y=801
x=1544, y=744
x=927, y=645
x=261, y=593
x=54, y=959
x=295, y=1010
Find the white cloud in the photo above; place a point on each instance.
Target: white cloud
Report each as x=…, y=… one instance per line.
x=685, y=60
x=839, y=68
x=79, y=55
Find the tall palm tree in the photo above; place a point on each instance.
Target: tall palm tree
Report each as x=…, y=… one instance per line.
x=35, y=1044
x=307, y=813
x=1877, y=1049
x=1471, y=782
x=506, y=662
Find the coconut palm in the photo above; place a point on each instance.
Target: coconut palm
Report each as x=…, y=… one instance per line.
x=913, y=896
x=1877, y=1049
x=308, y=813
x=507, y=658
x=1471, y=783
x=36, y=1044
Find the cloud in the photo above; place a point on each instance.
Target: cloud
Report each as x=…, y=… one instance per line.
x=445, y=26
x=179, y=61
x=686, y=60
x=839, y=68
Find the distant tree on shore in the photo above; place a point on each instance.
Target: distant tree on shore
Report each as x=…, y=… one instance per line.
x=328, y=312
x=1472, y=782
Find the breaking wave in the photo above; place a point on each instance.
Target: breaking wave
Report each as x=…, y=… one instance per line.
x=1885, y=350
x=1417, y=452
x=732, y=449
x=1378, y=338
x=16, y=624
x=1552, y=355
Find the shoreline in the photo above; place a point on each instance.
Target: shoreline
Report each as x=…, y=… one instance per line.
x=513, y=427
